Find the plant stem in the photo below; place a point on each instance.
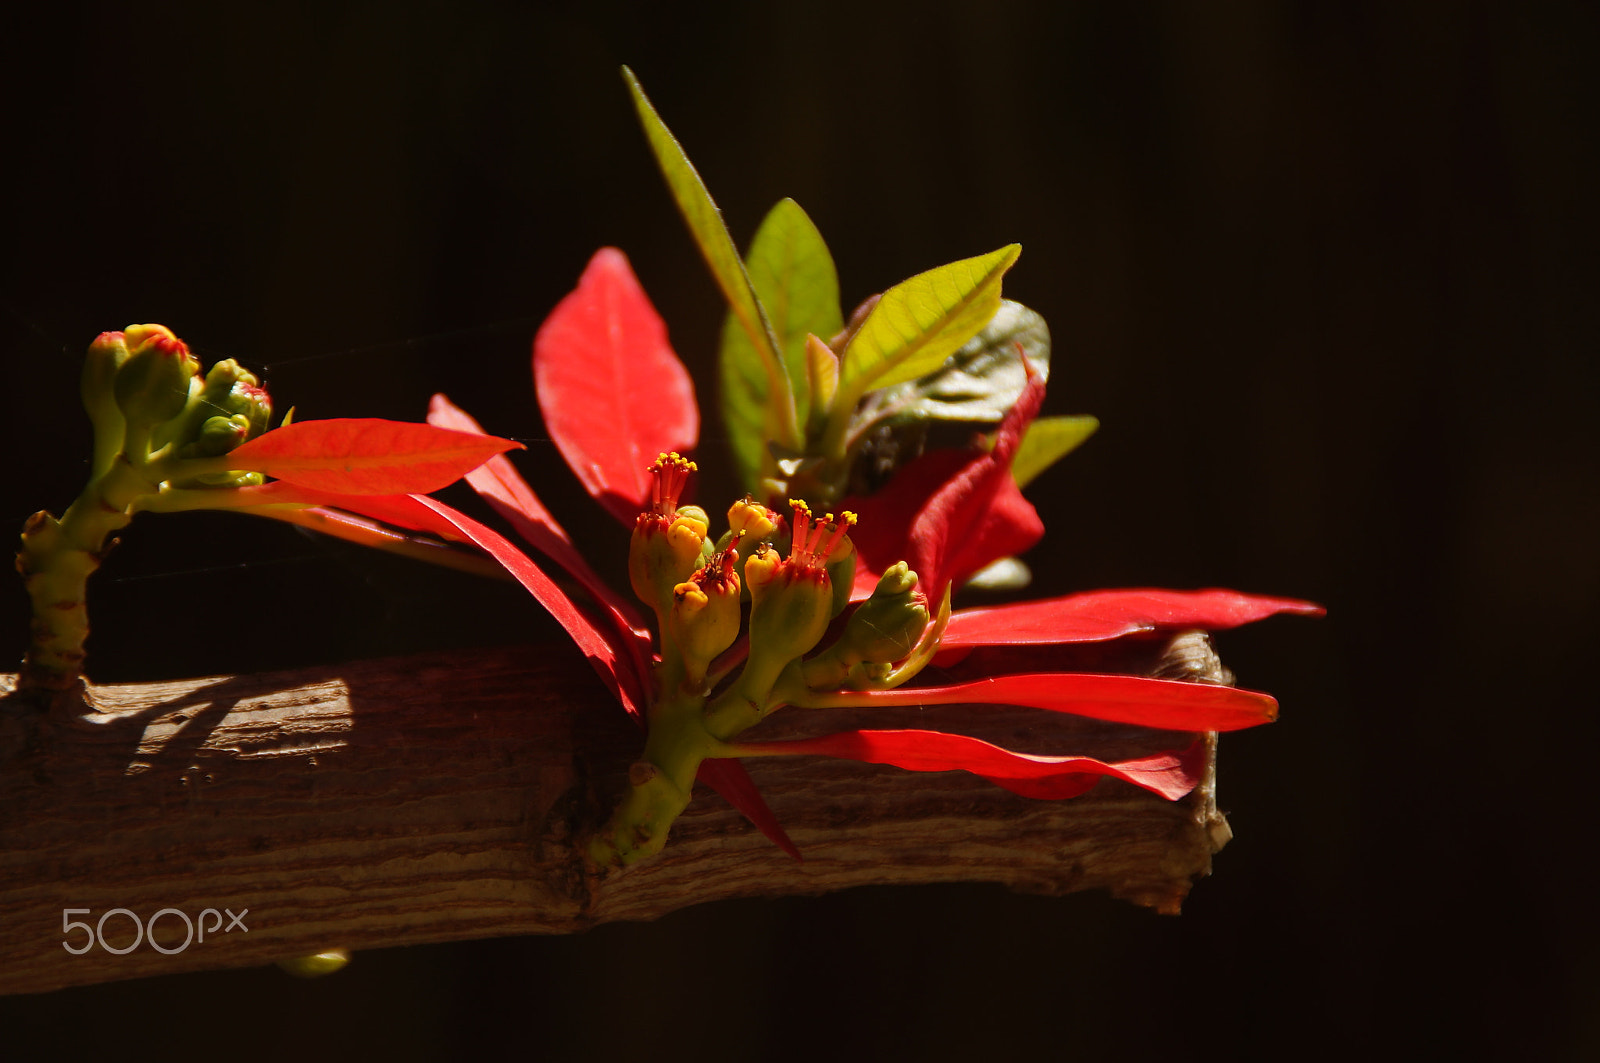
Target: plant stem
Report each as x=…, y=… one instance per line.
x=56, y=559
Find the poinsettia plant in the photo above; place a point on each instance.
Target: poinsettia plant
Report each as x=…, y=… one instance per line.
x=833, y=581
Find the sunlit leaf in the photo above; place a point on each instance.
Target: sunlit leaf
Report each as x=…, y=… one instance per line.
x=798, y=287
x=1171, y=774
x=711, y=236
x=365, y=456
x=920, y=322
x=1047, y=441
x=613, y=393
x=979, y=382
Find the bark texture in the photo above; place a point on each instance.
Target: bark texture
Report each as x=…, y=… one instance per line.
x=435, y=798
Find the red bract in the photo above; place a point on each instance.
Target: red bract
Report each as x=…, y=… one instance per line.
x=949, y=513
x=1162, y=703
x=362, y=456
x=612, y=392
x=1170, y=774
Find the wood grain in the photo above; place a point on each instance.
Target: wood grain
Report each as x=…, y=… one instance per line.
x=434, y=798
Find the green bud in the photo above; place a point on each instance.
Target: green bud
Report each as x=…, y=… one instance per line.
x=152, y=385
x=883, y=629
x=218, y=435
x=106, y=355
x=228, y=390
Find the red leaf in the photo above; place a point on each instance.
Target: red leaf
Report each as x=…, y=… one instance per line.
x=1163, y=703
x=594, y=644
x=613, y=393
x=1171, y=774
x=1101, y=615
x=403, y=511
x=728, y=778
x=949, y=513
x=365, y=456
x=499, y=483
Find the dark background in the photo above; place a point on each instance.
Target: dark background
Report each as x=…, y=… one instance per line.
x=1322, y=271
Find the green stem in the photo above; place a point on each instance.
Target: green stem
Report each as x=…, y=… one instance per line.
x=56, y=559
x=661, y=783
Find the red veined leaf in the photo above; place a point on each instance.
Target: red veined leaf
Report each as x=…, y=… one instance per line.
x=366, y=456
x=1171, y=774
x=594, y=644
x=1097, y=616
x=498, y=482
x=613, y=393
x=727, y=777
x=1163, y=703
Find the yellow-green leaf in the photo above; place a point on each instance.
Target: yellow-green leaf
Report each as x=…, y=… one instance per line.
x=922, y=321
x=711, y=235
x=1046, y=441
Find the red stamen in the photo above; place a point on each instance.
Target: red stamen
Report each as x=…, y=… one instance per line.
x=669, y=474
x=813, y=542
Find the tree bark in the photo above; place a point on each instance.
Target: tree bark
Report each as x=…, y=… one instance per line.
x=435, y=798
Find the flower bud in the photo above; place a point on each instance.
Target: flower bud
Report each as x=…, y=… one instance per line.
x=218, y=435
x=228, y=390
x=106, y=355
x=152, y=383
x=883, y=629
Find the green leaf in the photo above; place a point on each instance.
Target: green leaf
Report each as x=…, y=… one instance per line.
x=796, y=284
x=711, y=235
x=1047, y=440
x=980, y=382
x=922, y=321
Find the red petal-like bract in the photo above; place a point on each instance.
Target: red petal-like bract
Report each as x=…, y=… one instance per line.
x=1170, y=774
x=727, y=777
x=499, y=483
x=949, y=513
x=594, y=644
x=1097, y=616
x=402, y=511
x=613, y=393
x=366, y=456
x=1162, y=703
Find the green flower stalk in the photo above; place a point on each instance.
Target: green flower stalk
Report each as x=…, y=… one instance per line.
x=133, y=382
x=168, y=439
